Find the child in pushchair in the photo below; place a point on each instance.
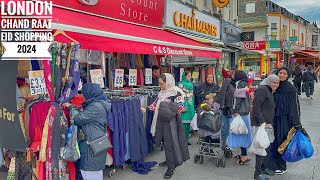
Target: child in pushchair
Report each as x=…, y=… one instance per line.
x=209, y=123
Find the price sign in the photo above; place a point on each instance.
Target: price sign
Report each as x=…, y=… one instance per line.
x=118, y=80
x=132, y=77
x=96, y=77
x=80, y=85
x=148, y=78
x=37, y=82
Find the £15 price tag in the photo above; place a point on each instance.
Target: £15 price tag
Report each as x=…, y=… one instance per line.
x=37, y=82
x=148, y=77
x=132, y=77
x=118, y=81
x=96, y=77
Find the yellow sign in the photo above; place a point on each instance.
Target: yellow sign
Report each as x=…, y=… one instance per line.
x=221, y=3
x=268, y=46
x=194, y=24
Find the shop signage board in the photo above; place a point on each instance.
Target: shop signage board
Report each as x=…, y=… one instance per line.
x=37, y=82
x=254, y=45
x=132, y=77
x=118, y=79
x=293, y=38
x=181, y=17
x=148, y=78
x=247, y=36
x=96, y=77
x=11, y=134
x=144, y=12
x=221, y=3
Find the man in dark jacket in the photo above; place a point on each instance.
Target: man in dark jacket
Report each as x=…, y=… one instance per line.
x=297, y=78
x=308, y=78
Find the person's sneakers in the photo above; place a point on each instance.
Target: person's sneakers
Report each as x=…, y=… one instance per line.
x=280, y=172
x=269, y=172
x=262, y=177
x=169, y=173
x=163, y=164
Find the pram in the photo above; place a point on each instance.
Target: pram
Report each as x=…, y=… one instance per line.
x=210, y=142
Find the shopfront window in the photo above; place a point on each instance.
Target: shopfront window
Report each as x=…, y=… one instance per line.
x=252, y=62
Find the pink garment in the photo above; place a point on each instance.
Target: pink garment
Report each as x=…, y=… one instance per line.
x=240, y=93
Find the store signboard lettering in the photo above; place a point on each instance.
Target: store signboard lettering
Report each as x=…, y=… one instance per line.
x=37, y=82
x=169, y=51
x=132, y=77
x=118, y=79
x=148, y=79
x=186, y=19
x=145, y=12
x=96, y=77
x=254, y=45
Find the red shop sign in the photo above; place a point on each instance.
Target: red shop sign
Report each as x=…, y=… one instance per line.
x=146, y=12
x=254, y=45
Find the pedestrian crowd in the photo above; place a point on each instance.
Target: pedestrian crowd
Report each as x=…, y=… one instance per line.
x=272, y=109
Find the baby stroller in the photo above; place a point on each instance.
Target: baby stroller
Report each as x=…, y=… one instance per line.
x=209, y=138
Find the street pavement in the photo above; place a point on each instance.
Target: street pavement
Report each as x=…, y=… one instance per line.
x=306, y=169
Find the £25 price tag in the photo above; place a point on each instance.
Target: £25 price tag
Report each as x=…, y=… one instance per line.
x=148, y=77
x=96, y=77
x=37, y=82
x=118, y=81
x=132, y=77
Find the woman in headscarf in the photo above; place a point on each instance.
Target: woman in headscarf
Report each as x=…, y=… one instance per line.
x=92, y=123
x=167, y=125
x=241, y=107
x=207, y=91
x=188, y=109
x=263, y=115
x=287, y=115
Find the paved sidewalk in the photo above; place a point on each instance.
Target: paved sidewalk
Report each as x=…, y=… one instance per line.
x=303, y=170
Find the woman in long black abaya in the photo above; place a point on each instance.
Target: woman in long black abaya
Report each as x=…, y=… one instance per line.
x=287, y=115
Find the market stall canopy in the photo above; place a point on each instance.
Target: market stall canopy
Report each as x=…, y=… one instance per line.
x=310, y=54
x=113, y=36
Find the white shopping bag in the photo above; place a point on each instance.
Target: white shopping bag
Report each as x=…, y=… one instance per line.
x=261, y=139
x=194, y=122
x=238, y=126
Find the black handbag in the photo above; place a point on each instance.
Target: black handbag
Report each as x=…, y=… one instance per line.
x=210, y=122
x=100, y=145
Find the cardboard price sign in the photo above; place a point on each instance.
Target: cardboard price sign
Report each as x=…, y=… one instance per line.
x=148, y=76
x=37, y=82
x=118, y=80
x=133, y=77
x=96, y=77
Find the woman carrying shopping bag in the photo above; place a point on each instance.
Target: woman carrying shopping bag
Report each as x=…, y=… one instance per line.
x=287, y=116
x=188, y=109
x=241, y=107
x=262, y=116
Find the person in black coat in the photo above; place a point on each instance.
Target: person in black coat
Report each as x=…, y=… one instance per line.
x=287, y=116
x=263, y=113
x=205, y=90
x=297, y=78
x=308, y=79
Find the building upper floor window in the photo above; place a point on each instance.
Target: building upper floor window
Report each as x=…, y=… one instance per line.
x=251, y=7
x=274, y=26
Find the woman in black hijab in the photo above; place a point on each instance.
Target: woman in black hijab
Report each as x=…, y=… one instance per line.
x=207, y=90
x=287, y=115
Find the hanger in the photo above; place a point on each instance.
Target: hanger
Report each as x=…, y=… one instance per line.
x=59, y=31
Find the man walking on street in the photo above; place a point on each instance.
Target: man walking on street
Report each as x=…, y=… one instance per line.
x=308, y=78
x=297, y=78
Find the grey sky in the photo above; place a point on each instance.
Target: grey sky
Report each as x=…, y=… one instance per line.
x=308, y=9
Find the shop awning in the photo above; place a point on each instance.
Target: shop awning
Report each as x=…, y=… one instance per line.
x=311, y=54
x=113, y=36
